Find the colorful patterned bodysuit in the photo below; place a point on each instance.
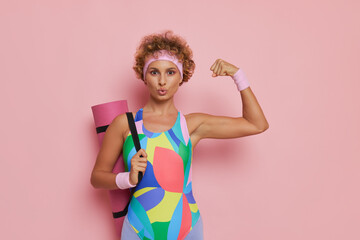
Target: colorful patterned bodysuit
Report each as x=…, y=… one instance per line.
x=163, y=206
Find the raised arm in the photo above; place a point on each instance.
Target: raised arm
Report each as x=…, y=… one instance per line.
x=253, y=120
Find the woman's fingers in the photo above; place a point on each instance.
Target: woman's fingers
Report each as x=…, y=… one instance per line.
x=141, y=162
x=142, y=153
x=140, y=168
x=216, y=67
x=213, y=66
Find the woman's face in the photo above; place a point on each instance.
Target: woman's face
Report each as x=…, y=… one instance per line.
x=162, y=79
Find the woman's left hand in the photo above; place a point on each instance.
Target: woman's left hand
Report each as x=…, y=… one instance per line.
x=223, y=68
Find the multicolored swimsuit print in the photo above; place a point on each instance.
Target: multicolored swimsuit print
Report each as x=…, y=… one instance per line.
x=163, y=205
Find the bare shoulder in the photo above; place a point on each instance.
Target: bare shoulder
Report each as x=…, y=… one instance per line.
x=120, y=124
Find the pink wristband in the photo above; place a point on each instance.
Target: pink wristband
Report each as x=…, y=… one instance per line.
x=123, y=181
x=240, y=80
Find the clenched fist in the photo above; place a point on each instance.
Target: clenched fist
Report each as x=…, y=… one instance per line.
x=223, y=68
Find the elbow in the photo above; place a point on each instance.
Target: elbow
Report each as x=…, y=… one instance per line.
x=263, y=128
x=93, y=181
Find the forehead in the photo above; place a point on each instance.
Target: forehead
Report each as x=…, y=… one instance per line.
x=162, y=64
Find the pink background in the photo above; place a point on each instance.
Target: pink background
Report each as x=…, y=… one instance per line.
x=298, y=180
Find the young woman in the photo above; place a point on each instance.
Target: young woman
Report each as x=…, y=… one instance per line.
x=163, y=206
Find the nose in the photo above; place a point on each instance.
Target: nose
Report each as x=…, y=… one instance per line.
x=162, y=80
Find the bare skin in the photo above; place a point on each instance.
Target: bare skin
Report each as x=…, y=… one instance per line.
x=160, y=113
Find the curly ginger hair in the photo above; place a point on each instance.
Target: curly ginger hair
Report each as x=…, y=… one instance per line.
x=174, y=44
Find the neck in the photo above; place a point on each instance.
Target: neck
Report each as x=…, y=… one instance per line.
x=164, y=107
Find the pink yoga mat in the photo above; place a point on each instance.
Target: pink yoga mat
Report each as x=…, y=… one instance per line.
x=103, y=116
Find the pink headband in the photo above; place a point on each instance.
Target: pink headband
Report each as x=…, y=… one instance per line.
x=164, y=56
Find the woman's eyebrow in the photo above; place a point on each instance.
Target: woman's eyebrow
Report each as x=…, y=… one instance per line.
x=166, y=69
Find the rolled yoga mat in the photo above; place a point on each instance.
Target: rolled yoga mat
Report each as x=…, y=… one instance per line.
x=103, y=116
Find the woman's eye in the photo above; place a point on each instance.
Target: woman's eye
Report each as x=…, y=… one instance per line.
x=170, y=72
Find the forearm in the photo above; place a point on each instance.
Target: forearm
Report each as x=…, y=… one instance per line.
x=252, y=110
x=104, y=180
